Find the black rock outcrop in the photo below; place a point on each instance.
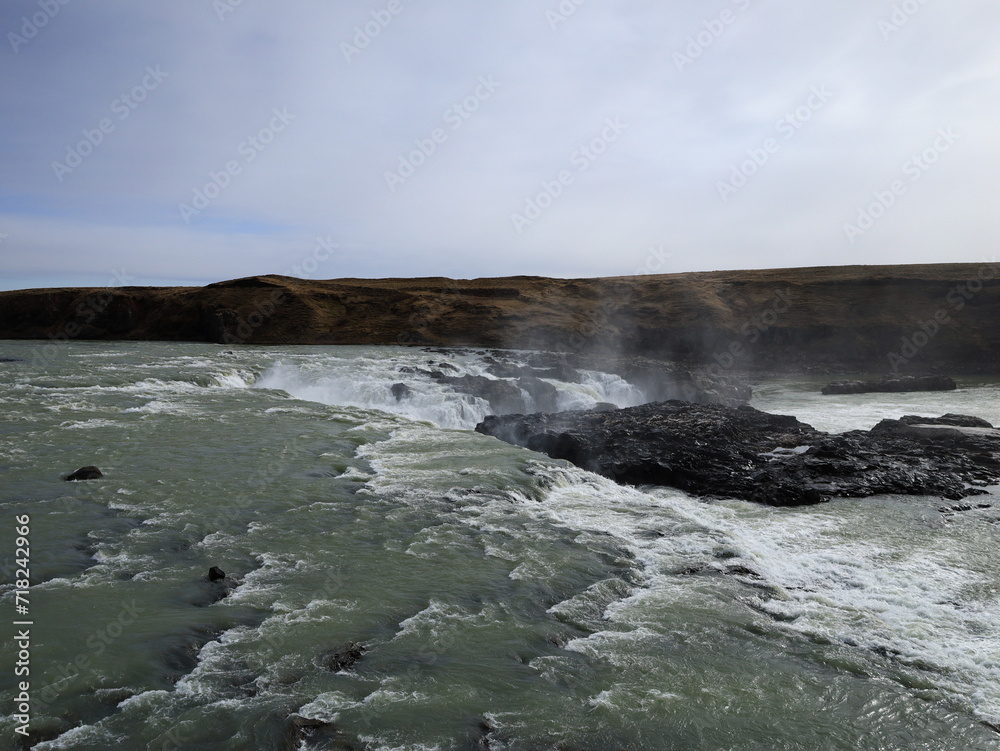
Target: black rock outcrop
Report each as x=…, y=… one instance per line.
x=719, y=451
x=401, y=391
x=343, y=658
x=892, y=385
x=84, y=473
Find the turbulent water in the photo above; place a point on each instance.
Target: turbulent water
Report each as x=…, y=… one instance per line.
x=504, y=599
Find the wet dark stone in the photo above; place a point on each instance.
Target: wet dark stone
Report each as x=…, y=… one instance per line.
x=742, y=571
x=343, y=658
x=84, y=473
x=958, y=421
x=690, y=570
x=507, y=369
x=962, y=507
x=401, y=391
x=543, y=394
x=214, y=587
x=479, y=737
x=182, y=656
x=503, y=396
x=739, y=452
x=51, y=730
x=304, y=731
x=892, y=385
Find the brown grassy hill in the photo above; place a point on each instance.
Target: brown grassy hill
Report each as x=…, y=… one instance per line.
x=859, y=318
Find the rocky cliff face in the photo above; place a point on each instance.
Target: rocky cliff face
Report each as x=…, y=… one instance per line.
x=859, y=318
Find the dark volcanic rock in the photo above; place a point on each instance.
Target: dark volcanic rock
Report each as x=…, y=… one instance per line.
x=892, y=385
x=504, y=397
x=215, y=587
x=543, y=394
x=84, y=473
x=658, y=380
x=719, y=451
x=961, y=421
x=400, y=391
x=343, y=658
x=305, y=732
x=948, y=429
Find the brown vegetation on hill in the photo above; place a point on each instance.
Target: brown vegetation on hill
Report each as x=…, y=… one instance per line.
x=848, y=318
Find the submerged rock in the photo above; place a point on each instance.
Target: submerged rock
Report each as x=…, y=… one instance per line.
x=937, y=429
x=84, y=473
x=503, y=396
x=522, y=386
x=306, y=732
x=343, y=658
x=892, y=385
x=400, y=391
x=544, y=396
x=719, y=451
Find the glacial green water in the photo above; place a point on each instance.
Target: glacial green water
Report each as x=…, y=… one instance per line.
x=491, y=586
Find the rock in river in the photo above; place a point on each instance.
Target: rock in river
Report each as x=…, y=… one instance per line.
x=84, y=473
x=739, y=452
x=892, y=385
x=344, y=657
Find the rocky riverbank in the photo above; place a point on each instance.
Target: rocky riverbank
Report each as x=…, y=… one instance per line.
x=889, y=385
x=719, y=451
x=836, y=320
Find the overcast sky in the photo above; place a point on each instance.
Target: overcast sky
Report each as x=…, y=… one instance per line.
x=200, y=140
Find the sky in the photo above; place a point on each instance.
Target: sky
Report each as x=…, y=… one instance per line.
x=200, y=140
